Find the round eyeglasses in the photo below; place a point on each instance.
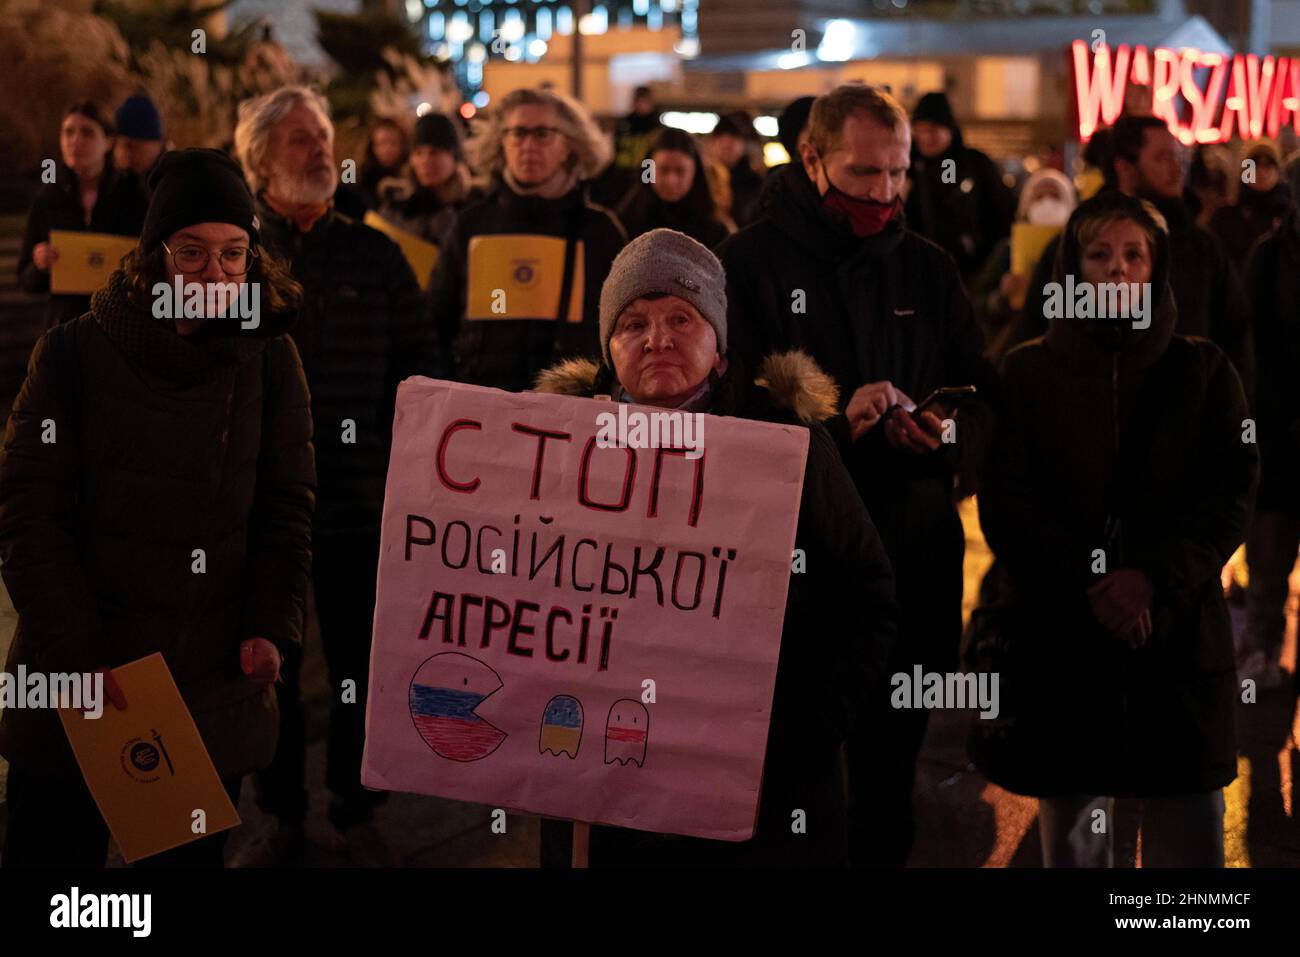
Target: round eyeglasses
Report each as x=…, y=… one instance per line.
x=191, y=258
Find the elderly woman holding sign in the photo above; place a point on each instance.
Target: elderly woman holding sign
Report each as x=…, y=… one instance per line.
x=663, y=338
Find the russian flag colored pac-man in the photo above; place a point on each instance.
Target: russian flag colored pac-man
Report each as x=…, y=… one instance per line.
x=445, y=695
x=561, y=726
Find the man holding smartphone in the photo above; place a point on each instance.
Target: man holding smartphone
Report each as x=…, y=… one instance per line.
x=831, y=269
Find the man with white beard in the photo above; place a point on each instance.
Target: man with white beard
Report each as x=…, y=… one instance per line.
x=360, y=332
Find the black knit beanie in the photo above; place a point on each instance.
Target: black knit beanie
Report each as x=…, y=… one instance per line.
x=935, y=108
x=196, y=186
x=437, y=130
x=791, y=124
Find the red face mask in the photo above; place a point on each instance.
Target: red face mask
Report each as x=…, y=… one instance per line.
x=865, y=217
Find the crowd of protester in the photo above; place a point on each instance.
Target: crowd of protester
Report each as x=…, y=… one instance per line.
x=835, y=291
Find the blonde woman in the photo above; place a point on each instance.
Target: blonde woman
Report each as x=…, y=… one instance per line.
x=534, y=157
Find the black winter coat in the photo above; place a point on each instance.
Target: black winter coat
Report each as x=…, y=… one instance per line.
x=509, y=353
x=1207, y=291
x=643, y=211
x=746, y=186
x=966, y=212
x=360, y=332
x=840, y=626
x=1252, y=216
x=889, y=307
x=1138, y=452
x=1273, y=278
x=119, y=209
x=164, y=444
x=425, y=212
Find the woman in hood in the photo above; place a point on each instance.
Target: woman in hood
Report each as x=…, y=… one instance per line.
x=1119, y=483
x=663, y=334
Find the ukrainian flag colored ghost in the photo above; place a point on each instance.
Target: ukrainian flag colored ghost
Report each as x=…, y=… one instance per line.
x=561, y=726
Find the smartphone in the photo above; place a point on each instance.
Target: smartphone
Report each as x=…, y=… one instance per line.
x=948, y=394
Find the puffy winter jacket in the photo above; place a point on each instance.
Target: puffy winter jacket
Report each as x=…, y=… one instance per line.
x=163, y=446
x=1126, y=452
x=840, y=625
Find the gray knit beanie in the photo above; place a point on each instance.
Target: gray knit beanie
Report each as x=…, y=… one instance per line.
x=664, y=261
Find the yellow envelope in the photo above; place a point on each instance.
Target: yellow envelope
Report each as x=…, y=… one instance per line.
x=420, y=253
x=146, y=766
x=1027, y=245
x=86, y=259
x=519, y=277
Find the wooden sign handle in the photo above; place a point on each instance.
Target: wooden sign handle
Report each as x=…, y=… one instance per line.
x=581, y=843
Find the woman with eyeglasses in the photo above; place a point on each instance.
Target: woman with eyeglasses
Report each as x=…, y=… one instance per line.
x=88, y=194
x=156, y=496
x=517, y=285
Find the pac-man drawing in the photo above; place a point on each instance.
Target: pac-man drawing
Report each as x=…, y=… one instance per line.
x=446, y=692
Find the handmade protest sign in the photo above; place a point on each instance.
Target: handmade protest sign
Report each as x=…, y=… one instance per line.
x=147, y=767
x=576, y=630
x=85, y=260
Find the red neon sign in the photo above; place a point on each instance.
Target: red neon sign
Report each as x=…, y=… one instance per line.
x=1249, y=97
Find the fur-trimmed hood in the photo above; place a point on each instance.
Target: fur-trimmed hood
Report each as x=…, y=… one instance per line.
x=793, y=381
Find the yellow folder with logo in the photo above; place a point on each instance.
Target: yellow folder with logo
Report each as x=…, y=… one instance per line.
x=146, y=766
x=519, y=277
x=420, y=253
x=85, y=260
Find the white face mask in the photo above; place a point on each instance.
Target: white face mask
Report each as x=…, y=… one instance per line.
x=1048, y=212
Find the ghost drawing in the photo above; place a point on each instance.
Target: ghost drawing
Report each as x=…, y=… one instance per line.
x=444, y=699
x=561, y=726
x=625, y=732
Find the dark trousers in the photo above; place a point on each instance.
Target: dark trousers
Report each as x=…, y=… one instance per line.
x=882, y=753
x=54, y=822
x=344, y=565
x=282, y=786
